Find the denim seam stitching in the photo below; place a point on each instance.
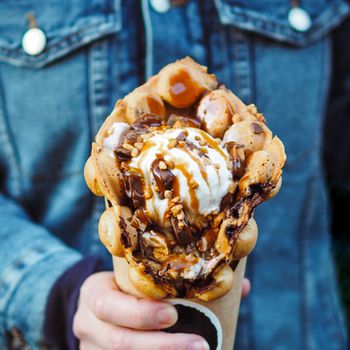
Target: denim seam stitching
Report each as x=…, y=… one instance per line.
x=149, y=39
x=20, y=264
x=9, y=144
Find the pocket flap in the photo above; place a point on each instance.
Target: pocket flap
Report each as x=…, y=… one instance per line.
x=270, y=18
x=67, y=25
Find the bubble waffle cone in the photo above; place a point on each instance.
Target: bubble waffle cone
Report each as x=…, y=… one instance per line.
x=182, y=163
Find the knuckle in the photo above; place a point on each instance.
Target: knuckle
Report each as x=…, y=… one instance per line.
x=141, y=318
x=100, y=308
x=120, y=340
x=77, y=326
x=166, y=345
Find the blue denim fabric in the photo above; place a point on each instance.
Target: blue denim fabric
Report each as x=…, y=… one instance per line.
x=52, y=104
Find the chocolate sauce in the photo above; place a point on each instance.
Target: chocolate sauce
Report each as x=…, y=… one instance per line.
x=134, y=188
x=256, y=128
x=164, y=178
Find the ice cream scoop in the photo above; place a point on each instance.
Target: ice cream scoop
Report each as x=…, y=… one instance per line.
x=187, y=163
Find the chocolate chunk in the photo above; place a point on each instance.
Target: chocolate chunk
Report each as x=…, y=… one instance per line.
x=147, y=121
x=227, y=201
x=238, y=167
x=130, y=136
x=140, y=220
x=124, y=237
x=256, y=128
x=164, y=178
x=134, y=188
x=237, y=158
x=123, y=155
x=183, y=235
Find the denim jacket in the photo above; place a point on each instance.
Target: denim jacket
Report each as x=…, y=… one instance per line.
x=52, y=104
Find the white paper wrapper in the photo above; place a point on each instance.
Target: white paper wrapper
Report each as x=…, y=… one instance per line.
x=215, y=320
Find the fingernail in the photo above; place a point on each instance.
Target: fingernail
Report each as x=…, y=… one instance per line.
x=167, y=316
x=199, y=345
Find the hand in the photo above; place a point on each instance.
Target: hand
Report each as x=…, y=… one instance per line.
x=109, y=319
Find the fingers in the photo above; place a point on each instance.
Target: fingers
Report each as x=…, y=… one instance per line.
x=112, y=337
x=124, y=310
x=95, y=334
x=246, y=287
x=112, y=306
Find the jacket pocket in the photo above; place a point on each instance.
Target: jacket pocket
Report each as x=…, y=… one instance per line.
x=68, y=25
x=270, y=18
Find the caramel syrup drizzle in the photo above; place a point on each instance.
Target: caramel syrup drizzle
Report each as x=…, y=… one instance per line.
x=212, y=143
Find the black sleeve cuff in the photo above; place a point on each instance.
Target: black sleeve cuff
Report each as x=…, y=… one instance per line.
x=62, y=303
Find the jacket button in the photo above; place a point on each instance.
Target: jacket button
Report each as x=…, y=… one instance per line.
x=161, y=6
x=34, y=41
x=299, y=19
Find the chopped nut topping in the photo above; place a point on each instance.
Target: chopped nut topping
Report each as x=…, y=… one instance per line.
x=162, y=165
x=197, y=138
x=139, y=145
x=170, y=164
x=260, y=117
x=217, y=166
x=181, y=224
x=236, y=118
x=172, y=143
x=202, y=143
x=110, y=131
x=128, y=146
x=167, y=194
x=218, y=219
x=181, y=215
x=252, y=109
x=182, y=143
x=135, y=152
x=99, y=149
x=204, y=150
x=176, y=209
x=229, y=166
x=176, y=199
x=193, y=183
x=148, y=193
x=232, y=187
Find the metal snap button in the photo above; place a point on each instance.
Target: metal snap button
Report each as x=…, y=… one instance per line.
x=161, y=6
x=299, y=19
x=34, y=41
